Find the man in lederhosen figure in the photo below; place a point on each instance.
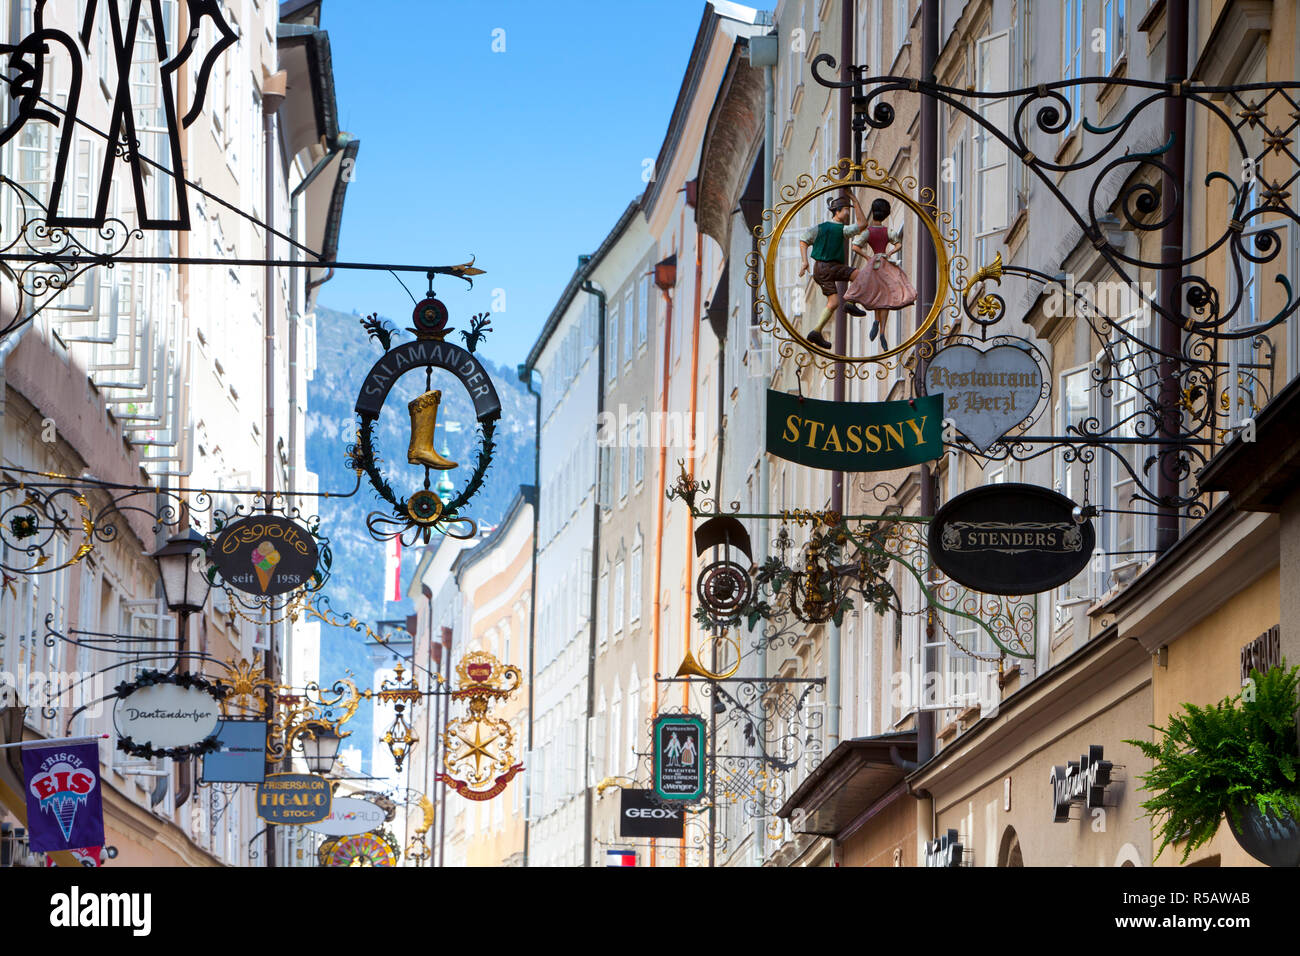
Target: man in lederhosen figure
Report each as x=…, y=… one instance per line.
x=828, y=244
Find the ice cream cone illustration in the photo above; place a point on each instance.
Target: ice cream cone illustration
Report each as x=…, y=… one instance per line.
x=424, y=420
x=265, y=558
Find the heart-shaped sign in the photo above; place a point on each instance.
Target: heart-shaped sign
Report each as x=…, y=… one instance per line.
x=985, y=393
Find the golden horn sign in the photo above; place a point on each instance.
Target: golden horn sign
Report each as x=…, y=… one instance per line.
x=691, y=667
x=424, y=421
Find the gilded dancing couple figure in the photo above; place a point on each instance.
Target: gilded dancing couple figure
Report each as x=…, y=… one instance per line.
x=878, y=284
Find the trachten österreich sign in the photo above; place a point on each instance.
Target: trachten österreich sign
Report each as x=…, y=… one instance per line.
x=854, y=436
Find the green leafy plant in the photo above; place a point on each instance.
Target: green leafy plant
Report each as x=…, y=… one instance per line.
x=1212, y=761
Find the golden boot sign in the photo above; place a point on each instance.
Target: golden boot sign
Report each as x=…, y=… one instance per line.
x=854, y=436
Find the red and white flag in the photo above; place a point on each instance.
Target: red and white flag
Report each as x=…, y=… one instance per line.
x=393, y=570
x=620, y=857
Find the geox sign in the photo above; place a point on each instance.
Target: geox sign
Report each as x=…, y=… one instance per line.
x=1083, y=782
x=640, y=816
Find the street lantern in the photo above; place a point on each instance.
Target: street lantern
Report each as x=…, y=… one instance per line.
x=320, y=747
x=185, y=585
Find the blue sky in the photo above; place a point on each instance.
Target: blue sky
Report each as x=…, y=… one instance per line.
x=524, y=158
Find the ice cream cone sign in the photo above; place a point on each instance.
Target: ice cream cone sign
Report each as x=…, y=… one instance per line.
x=265, y=558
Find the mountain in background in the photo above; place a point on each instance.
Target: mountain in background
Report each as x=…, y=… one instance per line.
x=344, y=354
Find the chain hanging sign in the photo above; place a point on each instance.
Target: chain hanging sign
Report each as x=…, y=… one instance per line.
x=265, y=555
x=1011, y=539
x=294, y=798
x=679, y=757
x=167, y=715
x=986, y=393
x=854, y=436
x=424, y=509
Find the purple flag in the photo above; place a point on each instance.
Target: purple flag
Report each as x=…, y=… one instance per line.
x=65, y=808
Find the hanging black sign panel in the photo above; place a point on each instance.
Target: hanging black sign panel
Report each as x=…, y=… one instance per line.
x=1010, y=539
x=640, y=815
x=265, y=554
x=679, y=757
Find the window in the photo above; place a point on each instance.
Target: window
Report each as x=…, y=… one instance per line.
x=615, y=729
x=642, y=439
x=643, y=310
x=1072, y=409
x=628, y=315
x=602, y=609
x=1113, y=22
x=619, y=597
x=606, y=466
x=877, y=62
x=901, y=22
x=1122, y=531
x=1072, y=56
x=633, y=723
x=624, y=454
x=597, y=765
x=989, y=153
x=634, y=595
x=611, y=344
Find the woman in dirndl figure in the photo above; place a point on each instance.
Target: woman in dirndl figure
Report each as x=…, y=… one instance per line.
x=879, y=285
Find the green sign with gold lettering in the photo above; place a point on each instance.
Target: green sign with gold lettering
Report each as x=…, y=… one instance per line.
x=854, y=436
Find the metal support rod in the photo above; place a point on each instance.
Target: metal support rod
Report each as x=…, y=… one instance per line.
x=1173, y=200
x=927, y=283
x=270, y=103
x=267, y=263
x=588, y=798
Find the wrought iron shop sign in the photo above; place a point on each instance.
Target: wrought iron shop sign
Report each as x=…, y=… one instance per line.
x=424, y=509
x=1010, y=539
x=1083, y=782
x=679, y=757
x=167, y=715
x=986, y=394
x=854, y=436
x=640, y=815
x=294, y=798
x=265, y=555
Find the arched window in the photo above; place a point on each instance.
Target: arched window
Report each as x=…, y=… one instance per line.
x=1009, y=849
x=633, y=723
x=634, y=584
x=615, y=729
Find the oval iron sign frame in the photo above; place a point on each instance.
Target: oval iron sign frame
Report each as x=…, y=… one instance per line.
x=953, y=526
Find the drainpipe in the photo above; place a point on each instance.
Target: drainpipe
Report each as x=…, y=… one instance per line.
x=765, y=52
x=694, y=451
x=588, y=807
x=6, y=349
x=927, y=274
x=665, y=279
x=1171, y=251
x=526, y=376
x=845, y=106
x=272, y=96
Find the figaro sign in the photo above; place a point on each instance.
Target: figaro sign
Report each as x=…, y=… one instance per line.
x=854, y=436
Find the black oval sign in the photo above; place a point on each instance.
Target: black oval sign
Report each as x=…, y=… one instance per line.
x=265, y=554
x=1010, y=539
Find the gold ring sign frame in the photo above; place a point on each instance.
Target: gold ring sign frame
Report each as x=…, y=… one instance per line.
x=866, y=176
